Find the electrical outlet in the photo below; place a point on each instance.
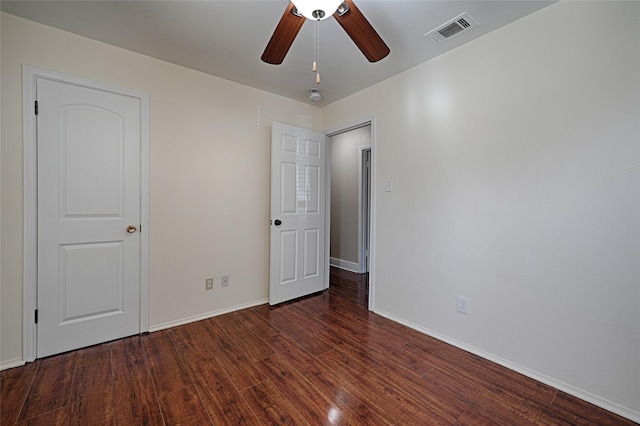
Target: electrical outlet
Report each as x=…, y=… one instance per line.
x=208, y=284
x=463, y=305
x=225, y=280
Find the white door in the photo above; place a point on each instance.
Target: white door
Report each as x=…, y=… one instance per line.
x=298, y=169
x=88, y=150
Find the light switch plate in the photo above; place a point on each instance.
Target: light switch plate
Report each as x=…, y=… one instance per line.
x=463, y=305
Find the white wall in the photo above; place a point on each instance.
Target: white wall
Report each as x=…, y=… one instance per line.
x=516, y=167
x=210, y=142
x=345, y=179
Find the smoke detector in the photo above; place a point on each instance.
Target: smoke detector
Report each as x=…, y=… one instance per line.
x=314, y=95
x=452, y=28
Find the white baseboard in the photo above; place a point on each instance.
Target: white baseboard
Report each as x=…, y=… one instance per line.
x=11, y=363
x=206, y=315
x=344, y=264
x=17, y=362
x=565, y=387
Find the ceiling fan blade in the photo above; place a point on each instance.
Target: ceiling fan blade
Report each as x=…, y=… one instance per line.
x=362, y=33
x=283, y=36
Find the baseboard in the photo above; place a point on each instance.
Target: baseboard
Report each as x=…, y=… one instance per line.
x=344, y=264
x=18, y=362
x=206, y=315
x=564, y=387
x=12, y=363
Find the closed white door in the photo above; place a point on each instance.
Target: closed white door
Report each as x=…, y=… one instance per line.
x=88, y=150
x=298, y=170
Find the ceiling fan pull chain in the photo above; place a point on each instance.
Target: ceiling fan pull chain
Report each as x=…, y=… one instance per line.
x=314, y=67
x=317, y=54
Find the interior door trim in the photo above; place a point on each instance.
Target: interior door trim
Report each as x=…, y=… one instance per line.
x=30, y=75
x=364, y=213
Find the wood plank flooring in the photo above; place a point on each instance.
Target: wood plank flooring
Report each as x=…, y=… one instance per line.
x=321, y=360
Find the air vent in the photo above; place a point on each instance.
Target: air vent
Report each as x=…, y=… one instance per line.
x=452, y=28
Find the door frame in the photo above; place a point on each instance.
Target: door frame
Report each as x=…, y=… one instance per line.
x=30, y=74
x=370, y=120
x=364, y=207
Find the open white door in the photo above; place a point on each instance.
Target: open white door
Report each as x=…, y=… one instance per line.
x=298, y=170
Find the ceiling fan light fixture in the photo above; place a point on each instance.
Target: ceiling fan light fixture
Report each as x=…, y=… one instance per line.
x=317, y=10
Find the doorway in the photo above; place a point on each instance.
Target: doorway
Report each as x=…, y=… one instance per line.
x=351, y=184
x=304, y=178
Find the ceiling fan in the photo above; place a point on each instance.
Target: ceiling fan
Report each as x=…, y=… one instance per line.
x=345, y=12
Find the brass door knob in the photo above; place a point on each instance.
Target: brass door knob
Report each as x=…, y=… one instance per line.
x=131, y=229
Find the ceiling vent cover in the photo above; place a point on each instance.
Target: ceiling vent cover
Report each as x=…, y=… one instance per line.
x=452, y=28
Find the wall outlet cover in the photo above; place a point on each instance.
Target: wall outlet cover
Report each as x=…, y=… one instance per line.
x=463, y=305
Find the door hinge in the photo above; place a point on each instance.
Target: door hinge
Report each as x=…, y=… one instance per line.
x=36, y=108
x=36, y=316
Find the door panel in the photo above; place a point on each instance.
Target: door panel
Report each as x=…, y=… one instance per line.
x=92, y=144
x=97, y=263
x=288, y=256
x=312, y=180
x=298, y=168
x=288, y=192
x=88, y=193
x=311, y=253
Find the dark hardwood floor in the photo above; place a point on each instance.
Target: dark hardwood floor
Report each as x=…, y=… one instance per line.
x=324, y=359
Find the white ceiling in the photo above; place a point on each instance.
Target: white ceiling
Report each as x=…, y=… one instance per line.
x=226, y=38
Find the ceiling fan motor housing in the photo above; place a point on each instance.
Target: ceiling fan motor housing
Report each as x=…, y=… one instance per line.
x=317, y=9
x=318, y=14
